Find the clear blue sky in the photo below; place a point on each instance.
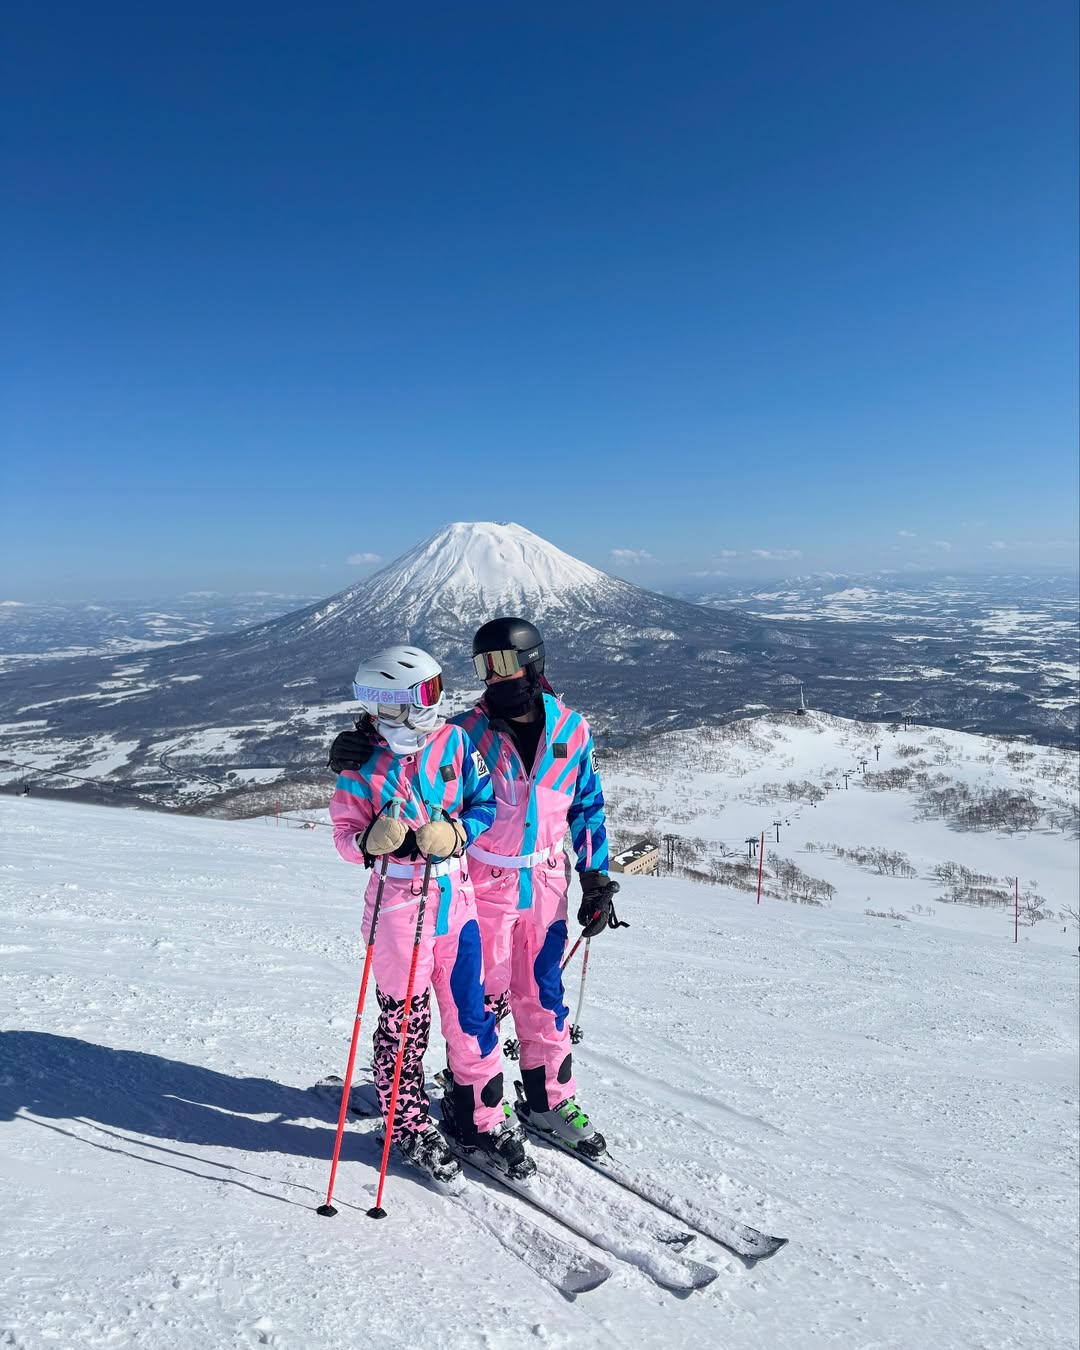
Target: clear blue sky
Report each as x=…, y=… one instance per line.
x=285, y=285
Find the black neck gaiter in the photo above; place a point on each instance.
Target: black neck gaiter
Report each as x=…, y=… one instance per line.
x=511, y=698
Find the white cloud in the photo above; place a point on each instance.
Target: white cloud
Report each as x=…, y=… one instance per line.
x=907, y=534
x=359, y=559
x=1033, y=545
x=631, y=556
x=777, y=554
x=727, y=553
x=20, y=603
x=943, y=544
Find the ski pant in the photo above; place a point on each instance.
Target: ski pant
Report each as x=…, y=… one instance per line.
x=452, y=964
x=523, y=949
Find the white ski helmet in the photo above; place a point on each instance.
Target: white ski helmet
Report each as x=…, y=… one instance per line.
x=397, y=679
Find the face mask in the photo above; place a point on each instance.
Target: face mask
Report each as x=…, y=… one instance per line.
x=511, y=698
x=405, y=735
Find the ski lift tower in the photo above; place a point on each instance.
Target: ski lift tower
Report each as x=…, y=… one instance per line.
x=800, y=711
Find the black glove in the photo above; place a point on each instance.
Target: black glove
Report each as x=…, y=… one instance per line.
x=352, y=749
x=597, y=910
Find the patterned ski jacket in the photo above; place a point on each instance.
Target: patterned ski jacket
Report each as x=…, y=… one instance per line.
x=447, y=773
x=535, y=808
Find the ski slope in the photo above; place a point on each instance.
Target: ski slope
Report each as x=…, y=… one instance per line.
x=899, y=1099
x=719, y=787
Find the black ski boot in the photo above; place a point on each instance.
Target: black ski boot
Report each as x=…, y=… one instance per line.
x=503, y=1148
x=427, y=1150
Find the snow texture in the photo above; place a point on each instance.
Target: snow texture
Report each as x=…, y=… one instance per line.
x=897, y=1098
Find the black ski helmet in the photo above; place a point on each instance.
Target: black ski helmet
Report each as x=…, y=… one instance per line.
x=513, y=635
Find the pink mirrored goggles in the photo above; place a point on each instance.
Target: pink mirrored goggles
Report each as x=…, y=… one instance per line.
x=426, y=694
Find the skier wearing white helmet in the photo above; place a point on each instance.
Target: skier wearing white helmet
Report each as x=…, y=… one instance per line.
x=410, y=790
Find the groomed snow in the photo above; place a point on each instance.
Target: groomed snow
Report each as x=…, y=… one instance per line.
x=899, y=1100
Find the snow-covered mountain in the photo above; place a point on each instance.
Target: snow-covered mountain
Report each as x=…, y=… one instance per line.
x=470, y=572
x=268, y=699
x=441, y=591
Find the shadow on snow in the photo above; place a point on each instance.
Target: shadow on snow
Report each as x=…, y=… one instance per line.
x=66, y=1079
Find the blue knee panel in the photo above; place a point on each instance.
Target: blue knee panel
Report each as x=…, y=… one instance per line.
x=468, y=989
x=548, y=976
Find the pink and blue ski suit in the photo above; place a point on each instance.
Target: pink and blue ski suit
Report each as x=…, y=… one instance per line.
x=446, y=774
x=521, y=876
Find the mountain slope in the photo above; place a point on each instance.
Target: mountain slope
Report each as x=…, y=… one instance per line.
x=898, y=1100
x=633, y=660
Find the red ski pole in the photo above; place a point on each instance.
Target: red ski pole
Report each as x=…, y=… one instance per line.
x=377, y=1211
x=570, y=955
x=327, y=1210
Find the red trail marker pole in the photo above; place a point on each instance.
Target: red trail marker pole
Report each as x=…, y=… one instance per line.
x=760, y=865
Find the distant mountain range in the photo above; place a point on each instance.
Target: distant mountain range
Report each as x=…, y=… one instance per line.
x=268, y=698
x=104, y=628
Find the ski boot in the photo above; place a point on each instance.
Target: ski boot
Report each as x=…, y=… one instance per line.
x=566, y=1123
x=503, y=1147
x=427, y=1150
x=445, y=1080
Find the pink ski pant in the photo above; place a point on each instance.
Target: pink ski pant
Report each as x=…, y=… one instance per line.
x=452, y=964
x=523, y=949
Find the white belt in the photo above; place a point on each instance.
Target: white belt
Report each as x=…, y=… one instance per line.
x=502, y=860
x=411, y=870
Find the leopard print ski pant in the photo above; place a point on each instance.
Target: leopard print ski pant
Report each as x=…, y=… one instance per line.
x=411, y=1114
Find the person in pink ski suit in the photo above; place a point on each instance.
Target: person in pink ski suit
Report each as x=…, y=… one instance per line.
x=404, y=760
x=540, y=756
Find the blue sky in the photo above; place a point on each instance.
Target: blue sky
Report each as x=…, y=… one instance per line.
x=681, y=287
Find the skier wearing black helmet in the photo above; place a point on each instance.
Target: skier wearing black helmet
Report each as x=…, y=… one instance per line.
x=543, y=771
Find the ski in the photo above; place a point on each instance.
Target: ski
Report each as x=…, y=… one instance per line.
x=664, y=1267
x=749, y=1244
x=560, y=1264
x=677, y=1273
x=362, y=1103
x=571, y=1272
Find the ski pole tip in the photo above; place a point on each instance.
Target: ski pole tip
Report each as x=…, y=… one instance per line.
x=377, y=1212
x=327, y=1211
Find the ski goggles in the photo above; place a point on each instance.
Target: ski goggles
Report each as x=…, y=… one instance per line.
x=503, y=663
x=426, y=694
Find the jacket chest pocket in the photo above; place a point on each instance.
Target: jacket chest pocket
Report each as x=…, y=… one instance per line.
x=507, y=781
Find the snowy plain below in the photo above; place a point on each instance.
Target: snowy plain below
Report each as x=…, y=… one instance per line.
x=899, y=1099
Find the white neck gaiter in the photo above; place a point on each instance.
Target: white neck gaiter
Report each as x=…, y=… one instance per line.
x=409, y=736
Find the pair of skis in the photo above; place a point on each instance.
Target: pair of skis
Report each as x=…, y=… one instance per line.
x=559, y=1263
x=653, y=1248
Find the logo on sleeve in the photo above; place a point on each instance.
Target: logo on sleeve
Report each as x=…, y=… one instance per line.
x=595, y=763
x=479, y=764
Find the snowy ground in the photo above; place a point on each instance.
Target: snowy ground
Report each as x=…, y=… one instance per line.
x=716, y=788
x=898, y=1098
